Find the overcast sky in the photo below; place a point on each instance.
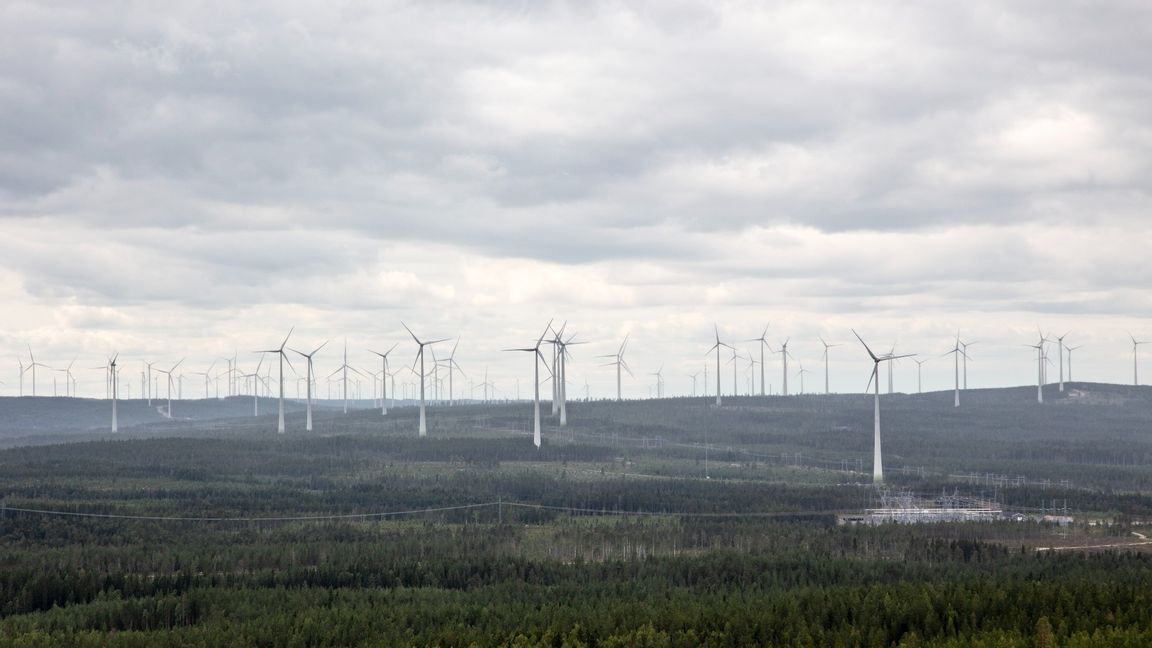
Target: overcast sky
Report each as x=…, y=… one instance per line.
x=192, y=179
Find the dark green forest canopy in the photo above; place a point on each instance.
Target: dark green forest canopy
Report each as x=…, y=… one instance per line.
x=622, y=530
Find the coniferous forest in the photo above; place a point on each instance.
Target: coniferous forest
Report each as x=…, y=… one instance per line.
x=651, y=523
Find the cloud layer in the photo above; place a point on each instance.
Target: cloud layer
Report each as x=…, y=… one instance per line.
x=189, y=180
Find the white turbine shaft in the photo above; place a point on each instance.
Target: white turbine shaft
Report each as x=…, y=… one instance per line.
x=877, y=456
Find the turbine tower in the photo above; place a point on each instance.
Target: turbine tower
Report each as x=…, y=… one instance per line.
x=33, y=366
x=877, y=459
x=717, y=346
x=618, y=362
x=784, y=356
x=115, y=387
x=1135, y=367
x=1039, y=346
x=1070, y=350
x=384, y=377
x=283, y=357
x=309, y=377
x=826, y=381
x=964, y=363
x=168, y=373
x=537, y=357
x=919, y=375
x=956, y=352
x=763, y=340
x=1060, y=349
x=423, y=377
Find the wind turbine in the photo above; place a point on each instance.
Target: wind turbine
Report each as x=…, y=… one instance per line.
x=423, y=376
x=1039, y=346
x=69, y=381
x=919, y=375
x=801, y=373
x=956, y=352
x=1070, y=350
x=717, y=346
x=1135, y=367
x=255, y=378
x=452, y=367
x=763, y=340
x=561, y=375
x=279, y=351
x=308, y=379
x=826, y=347
x=1060, y=349
x=618, y=362
x=115, y=390
x=383, y=378
x=784, y=354
x=537, y=357
x=964, y=369
x=694, y=377
x=168, y=373
x=877, y=459
x=206, y=375
x=33, y=366
x=659, y=381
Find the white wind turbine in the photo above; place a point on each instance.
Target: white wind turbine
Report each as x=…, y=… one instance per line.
x=207, y=376
x=1070, y=350
x=33, y=366
x=919, y=375
x=115, y=389
x=784, y=355
x=694, y=377
x=801, y=374
x=717, y=346
x=1039, y=346
x=422, y=374
x=168, y=373
x=384, y=378
x=618, y=362
x=537, y=357
x=279, y=351
x=877, y=458
x=254, y=377
x=561, y=374
x=659, y=375
x=827, y=346
x=964, y=363
x=311, y=376
x=763, y=340
x=1135, y=366
x=956, y=352
x=1060, y=349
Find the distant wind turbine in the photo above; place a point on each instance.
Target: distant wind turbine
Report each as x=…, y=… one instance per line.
x=964, y=363
x=619, y=363
x=33, y=366
x=717, y=346
x=827, y=383
x=877, y=458
x=168, y=373
x=1070, y=350
x=115, y=389
x=423, y=376
x=919, y=375
x=763, y=342
x=283, y=358
x=537, y=357
x=383, y=385
x=1060, y=349
x=784, y=356
x=310, y=376
x=1039, y=346
x=1135, y=366
x=956, y=352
